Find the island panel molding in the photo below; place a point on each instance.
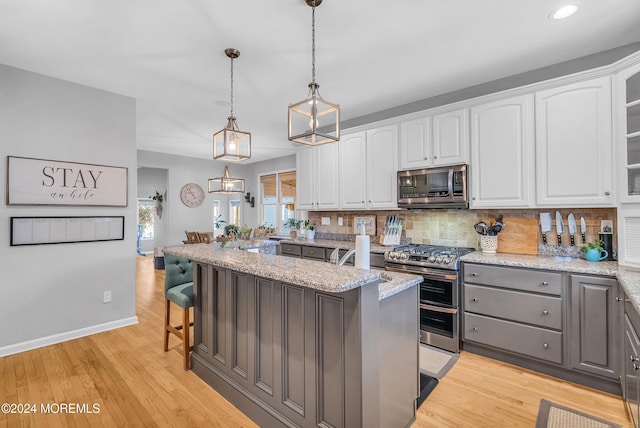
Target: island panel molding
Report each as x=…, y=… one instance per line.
x=32, y=181
x=65, y=230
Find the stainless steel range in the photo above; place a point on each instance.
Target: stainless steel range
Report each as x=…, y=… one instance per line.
x=439, y=292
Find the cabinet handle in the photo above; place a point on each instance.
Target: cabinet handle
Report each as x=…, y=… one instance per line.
x=426, y=158
x=607, y=193
x=435, y=157
x=632, y=358
x=474, y=299
x=473, y=198
x=545, y=283
x=635, y=366
x=475, y=329
x=618, y=299
x=363, y=202
x=474, y=274
x=545, y=312
x=546, y=346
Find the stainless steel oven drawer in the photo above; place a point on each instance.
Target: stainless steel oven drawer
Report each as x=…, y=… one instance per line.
x=313, y=253
x=544, y=311
x=523, y=339
x=518, y=279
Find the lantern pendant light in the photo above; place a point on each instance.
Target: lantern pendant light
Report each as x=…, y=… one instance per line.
x=226, y=184
x=314, y=121
x=231, y=144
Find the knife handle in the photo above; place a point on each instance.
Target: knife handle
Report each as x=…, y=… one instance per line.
x=544, y=238
x=584, y=239
x=573, y=241
x=559, y=240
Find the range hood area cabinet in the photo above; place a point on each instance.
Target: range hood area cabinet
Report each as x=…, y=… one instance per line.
x=434, y=138
x=317, y=177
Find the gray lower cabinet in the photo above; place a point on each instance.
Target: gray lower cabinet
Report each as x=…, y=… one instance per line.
x=594, y=309
x=291, y=250
x=631, y=361
x=562, y=324
x=313, y=252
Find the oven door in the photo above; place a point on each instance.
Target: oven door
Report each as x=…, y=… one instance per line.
x=442, y=292
x=439, y=327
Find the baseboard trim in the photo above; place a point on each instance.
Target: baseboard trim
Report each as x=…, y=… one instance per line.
x=63, y=337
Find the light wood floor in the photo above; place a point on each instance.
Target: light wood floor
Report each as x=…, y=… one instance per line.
x=135, y=383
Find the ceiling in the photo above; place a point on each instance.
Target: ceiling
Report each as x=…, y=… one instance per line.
x=370, y=55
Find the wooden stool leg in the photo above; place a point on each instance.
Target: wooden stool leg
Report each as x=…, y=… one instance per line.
x=185, y=337
x=167, y=321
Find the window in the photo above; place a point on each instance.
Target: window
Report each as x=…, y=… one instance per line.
x=146, y=211
x=234, y=212
x=278, y=199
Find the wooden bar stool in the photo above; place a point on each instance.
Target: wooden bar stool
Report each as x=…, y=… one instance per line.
x=178, y=288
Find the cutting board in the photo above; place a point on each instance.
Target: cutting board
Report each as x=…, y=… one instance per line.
x=519, y=236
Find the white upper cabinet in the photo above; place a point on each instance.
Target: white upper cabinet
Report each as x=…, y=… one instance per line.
x=415, y=143
x=450, y=137
x=382, y=167
x=368, y=169
x=574, y=162
x=353, y=171
x=502, y=153
x=628, y=133
x=317, y=177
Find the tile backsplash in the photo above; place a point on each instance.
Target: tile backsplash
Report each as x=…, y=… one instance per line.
x=455, y=227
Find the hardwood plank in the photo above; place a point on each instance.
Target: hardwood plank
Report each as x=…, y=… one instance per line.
x=136, y=383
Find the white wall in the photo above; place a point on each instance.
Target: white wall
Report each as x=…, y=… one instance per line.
x=51, y=293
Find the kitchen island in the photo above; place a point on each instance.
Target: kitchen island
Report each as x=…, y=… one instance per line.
x=294, y=342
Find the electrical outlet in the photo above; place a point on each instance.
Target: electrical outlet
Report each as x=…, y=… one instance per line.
x=606, y=225
x=106, y=297
x=340, y=222
x=326, y=221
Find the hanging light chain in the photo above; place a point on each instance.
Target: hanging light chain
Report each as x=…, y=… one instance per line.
x=232, y=86
x=313, y=43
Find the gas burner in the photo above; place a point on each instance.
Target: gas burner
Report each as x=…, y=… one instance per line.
x=428, y=255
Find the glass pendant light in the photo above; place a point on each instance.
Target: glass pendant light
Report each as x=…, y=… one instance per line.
x=231, y=144
x=226, y=184
x=314, y=121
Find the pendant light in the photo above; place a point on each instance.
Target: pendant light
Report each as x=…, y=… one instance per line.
x=231, y=144
x=226, y=184
x=314, y=121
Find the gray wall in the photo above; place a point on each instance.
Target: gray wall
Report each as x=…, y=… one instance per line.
x=54, y=292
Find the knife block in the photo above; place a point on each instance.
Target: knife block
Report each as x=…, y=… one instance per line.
x=394, y=239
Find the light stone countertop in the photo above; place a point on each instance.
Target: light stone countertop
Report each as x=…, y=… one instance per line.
x=629, y=278
x=307, y=273
x=330, y=243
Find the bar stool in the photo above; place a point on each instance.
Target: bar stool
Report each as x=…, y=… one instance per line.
x=178, y=288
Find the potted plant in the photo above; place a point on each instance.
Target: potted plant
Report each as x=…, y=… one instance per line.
x=158, y=198
x=263, y=230
x=593, y=251
x=230, y=233
x=293, y=226
x=311, y=229
x=218, y=221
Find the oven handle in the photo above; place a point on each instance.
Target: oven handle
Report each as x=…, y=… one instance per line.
x=425, y=272
x=438, y=309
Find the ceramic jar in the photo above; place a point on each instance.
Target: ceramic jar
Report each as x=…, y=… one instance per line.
x=489, y=243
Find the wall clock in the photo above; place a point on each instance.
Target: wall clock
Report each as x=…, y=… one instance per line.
x=192, y=195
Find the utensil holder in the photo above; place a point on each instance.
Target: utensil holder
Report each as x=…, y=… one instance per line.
x=489, y=243
x=394, y=239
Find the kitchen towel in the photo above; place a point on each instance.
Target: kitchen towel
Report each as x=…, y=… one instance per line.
x=363, y=242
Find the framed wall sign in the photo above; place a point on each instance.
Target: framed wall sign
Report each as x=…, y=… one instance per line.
x=48, y=182
x=64, y=230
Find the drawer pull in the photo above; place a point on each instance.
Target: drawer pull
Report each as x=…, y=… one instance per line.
x=632, y=358
x=475, y=329
x=635, y=366
x=474, y=274
x=618, y=299
x=546, y=346
x=545, y=312
x=474, y=299
x=545, y=283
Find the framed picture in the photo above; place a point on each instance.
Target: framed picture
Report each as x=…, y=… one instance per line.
x=369, y=222
x=49, y=182
x=65, y=230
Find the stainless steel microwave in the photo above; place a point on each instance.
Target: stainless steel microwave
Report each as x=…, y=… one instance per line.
x=439, y=187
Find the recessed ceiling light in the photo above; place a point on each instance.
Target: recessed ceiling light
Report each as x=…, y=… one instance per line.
x=564, y=11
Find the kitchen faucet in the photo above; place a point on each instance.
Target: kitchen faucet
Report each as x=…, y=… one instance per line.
x=340, y=261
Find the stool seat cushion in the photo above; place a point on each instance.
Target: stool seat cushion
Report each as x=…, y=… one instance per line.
x=181, y=295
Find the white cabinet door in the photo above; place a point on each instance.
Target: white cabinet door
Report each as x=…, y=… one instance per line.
x=415, y=143
x=574, y=165
x=450, y=137
x=326, y=176
x=382, y=167
x=305, y=171
x=502, y=158
x=353, y=171
x=627, y=133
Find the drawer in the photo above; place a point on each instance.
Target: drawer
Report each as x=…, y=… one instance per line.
x=313, y=253
x=510, y=336
x=291, y=250
x=543, y=311
x=630, y=310
x=517, y=279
